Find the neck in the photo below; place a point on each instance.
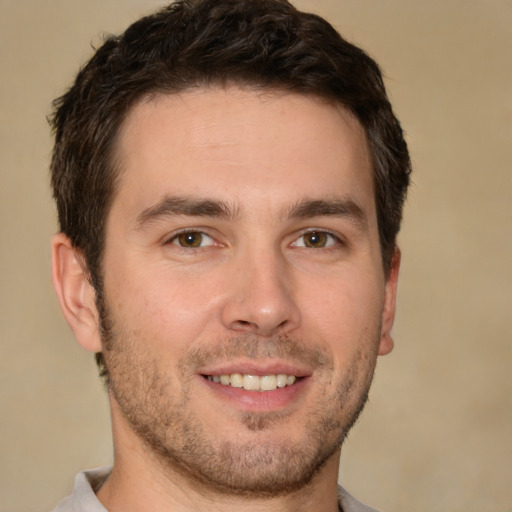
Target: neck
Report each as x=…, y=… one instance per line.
x=140, y=481
x=130, y=492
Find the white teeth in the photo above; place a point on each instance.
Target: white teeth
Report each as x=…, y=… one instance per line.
x=268, y=382
x=237, y=381
x=254, y=382
x=281, y=380
x=251, y=382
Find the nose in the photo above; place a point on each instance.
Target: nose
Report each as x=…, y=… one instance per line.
x=261, y=298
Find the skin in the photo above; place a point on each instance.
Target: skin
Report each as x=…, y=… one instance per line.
x=275, y=190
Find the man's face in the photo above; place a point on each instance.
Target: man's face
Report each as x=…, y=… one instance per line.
x=242, y=247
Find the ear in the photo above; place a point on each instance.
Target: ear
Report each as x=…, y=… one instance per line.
x=75, y=292
x=388, y=311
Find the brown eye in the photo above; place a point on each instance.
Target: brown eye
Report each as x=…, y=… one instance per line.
x=316, y=239
x=190, y=239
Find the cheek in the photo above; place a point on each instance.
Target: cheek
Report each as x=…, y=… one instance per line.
x=347, y=300
x=168, y=307
x=345, y=312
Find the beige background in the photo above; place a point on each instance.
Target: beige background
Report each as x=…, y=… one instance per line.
x=436, y=435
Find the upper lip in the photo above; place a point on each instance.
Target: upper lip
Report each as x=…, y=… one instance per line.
x=255, y=368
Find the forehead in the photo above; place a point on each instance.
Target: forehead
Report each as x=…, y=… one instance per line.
x=225, y=141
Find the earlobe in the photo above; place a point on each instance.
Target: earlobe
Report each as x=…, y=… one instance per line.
x=388, y=312
x=75, y=293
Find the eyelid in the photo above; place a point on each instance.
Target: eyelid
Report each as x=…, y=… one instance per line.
x=173, y=237
x=338, y=239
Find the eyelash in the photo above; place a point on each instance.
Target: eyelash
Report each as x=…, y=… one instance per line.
x=174, y=239
x=330, y=239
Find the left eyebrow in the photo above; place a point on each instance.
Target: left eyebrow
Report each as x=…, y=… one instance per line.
x=344, y=207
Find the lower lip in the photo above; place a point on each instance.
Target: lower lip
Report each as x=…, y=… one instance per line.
x=262, y=401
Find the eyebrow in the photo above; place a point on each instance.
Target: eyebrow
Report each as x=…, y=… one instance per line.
x=340, y=207
x=172, y=206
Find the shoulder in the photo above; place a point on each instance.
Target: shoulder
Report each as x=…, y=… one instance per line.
x=83, y=498
x=348, y=503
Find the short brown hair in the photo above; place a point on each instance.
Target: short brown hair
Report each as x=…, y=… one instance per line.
x=265, y=44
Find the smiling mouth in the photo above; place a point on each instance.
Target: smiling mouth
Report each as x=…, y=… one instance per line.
x=254, y=382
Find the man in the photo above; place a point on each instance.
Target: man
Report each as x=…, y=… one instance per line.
x=229, y=177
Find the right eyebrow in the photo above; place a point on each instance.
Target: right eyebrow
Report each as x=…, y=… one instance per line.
x=172, y=206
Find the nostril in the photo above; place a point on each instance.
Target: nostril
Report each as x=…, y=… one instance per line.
x=262, y=314
x=244, y=324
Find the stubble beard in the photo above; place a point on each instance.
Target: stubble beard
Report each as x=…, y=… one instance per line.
x=255, y=464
